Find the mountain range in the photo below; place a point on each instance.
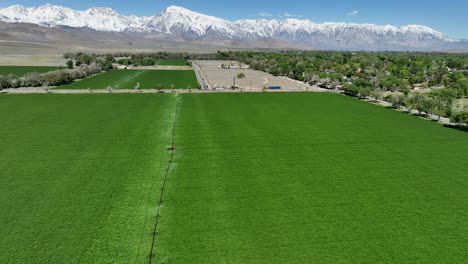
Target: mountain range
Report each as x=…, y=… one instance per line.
x=178, y=23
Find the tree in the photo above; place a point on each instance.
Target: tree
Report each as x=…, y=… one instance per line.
x=377, y=94
x=427, y=105
x=4, y=83
x=422, y=103
x=94, y=68
x=68, y=55
x=32, y=80
x=76, y=75
x=351, y=89
x=15, y=82
x=415, y=101
x=147, y=62
x=241, y=75
x=443, y=100
x=57, y=78
x=362, y=83
x=464, y=117
x=459, y=117
x=70, y=64
x=397, y=100
x=365, y=92
x=107, y=65
x=109, y=57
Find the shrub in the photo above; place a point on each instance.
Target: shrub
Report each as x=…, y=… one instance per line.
x=459, y=117
x=4, y=82
x=70, y=64
x=32, y=80
x=241, y=75
x=351, y=89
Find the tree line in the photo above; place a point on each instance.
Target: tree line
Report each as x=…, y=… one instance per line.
x=427, y=82
x=135, y=59
x=53, y=78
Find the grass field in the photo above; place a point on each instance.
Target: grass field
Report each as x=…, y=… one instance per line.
x=128, y=79
x=21, y=71
x=172, y=62
x=312, y=178
x=256, y=178
x=80, y=176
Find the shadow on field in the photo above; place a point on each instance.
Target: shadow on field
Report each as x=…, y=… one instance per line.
x=460, y=127
x=391, y=107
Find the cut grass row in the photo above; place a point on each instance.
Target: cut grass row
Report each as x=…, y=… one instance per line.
x=257, y=178
x=147, y=79
x=20, y=71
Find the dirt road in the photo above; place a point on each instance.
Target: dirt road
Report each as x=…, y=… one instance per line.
x=200, y=76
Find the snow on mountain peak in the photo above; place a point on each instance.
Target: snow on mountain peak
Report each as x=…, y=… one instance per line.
x=98, y=18
x=14, y=13
x=180, y=22
x=178, y=9
x=18, y=8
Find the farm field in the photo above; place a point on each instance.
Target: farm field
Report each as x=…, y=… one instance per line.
x=128, y=79
x=80, y=176
x=21, y=71
x=312, y=178
x=256, y=178
x=172, y=62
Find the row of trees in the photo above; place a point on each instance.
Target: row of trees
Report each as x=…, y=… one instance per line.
x=387, y=70
x=367, y=74
x=138, y=59
x=438, y=103
x=78, y=59
x=54, y=78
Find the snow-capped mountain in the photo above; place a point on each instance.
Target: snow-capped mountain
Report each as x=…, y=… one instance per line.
x=178, y=22
x=100, y=19
x=182, y=22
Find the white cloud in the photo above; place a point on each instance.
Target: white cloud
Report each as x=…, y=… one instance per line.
x=264, y=14
x=353, y=13
x=289, y=15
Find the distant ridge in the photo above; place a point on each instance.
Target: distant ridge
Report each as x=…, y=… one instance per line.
x=183, y=24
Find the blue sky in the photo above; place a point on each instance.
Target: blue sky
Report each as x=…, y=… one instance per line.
x=448, y=16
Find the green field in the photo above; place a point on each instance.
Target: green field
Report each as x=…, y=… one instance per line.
x=172, y=62
x=256, y=178
x=128, y=79
x=20, y=71
x=80, y=176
